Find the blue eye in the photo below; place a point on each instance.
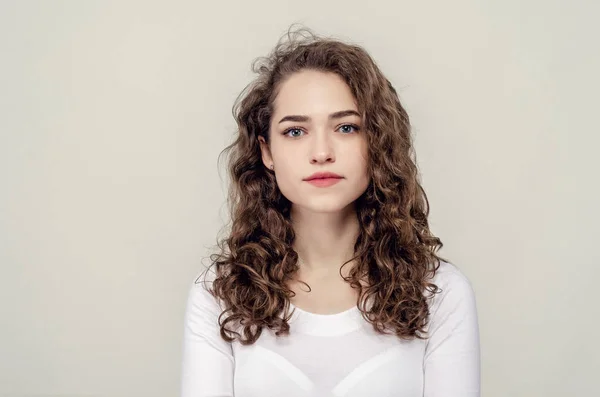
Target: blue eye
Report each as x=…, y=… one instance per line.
x=351, y=126
x=345, y=128
x=286, y=132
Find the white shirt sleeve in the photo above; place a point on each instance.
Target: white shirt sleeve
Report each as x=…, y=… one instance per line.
x=452, y=354
x=207, y=362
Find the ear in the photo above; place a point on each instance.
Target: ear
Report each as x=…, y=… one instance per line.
x=265, y=152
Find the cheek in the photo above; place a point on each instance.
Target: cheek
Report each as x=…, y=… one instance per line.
x=363, y=170
x=280, y=151
x=362, y=154
x=287, y=178
x=365, y=177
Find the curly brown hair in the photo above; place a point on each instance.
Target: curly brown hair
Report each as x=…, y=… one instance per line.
x=394, y=251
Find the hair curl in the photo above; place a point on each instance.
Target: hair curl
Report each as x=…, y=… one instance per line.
x=395, y=250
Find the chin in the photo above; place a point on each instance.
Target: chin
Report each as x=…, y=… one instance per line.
x=324, y=205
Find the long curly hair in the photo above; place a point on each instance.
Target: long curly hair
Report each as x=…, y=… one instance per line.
x=395, y=252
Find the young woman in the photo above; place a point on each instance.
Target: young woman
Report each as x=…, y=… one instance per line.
x=328, y=283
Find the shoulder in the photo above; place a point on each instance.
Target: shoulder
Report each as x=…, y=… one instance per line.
x=200, y=298
x=451, y=360
x=456, y=291
x=449, y=276
x=205, y=277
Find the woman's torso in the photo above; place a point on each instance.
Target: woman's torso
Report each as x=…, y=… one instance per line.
x=329, y=355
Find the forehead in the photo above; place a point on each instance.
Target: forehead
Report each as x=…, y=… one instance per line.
x=313, y=93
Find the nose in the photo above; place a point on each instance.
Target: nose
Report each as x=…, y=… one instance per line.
x=322, y=150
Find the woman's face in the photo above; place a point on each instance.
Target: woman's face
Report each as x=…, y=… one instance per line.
x=316, y=127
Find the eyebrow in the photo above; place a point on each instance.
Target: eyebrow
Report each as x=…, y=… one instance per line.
x=332, y=116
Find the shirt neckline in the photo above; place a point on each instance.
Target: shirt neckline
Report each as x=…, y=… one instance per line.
x=334, y=324
x=329, y=315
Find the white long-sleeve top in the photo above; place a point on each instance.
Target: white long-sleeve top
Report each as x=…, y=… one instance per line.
x=338, y=354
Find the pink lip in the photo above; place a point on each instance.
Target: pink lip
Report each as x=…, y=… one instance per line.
x=323, y=174
x=324, y=182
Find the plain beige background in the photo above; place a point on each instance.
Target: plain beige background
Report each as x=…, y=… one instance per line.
x=112, y=117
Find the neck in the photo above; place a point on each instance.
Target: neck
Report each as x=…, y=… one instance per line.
x=324, y=241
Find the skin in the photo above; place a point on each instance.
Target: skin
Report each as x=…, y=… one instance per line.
x=324, y=218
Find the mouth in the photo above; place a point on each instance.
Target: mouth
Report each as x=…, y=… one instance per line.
x=323, y=175
x=324, y=182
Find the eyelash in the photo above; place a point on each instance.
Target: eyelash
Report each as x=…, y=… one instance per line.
x=356, y=129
